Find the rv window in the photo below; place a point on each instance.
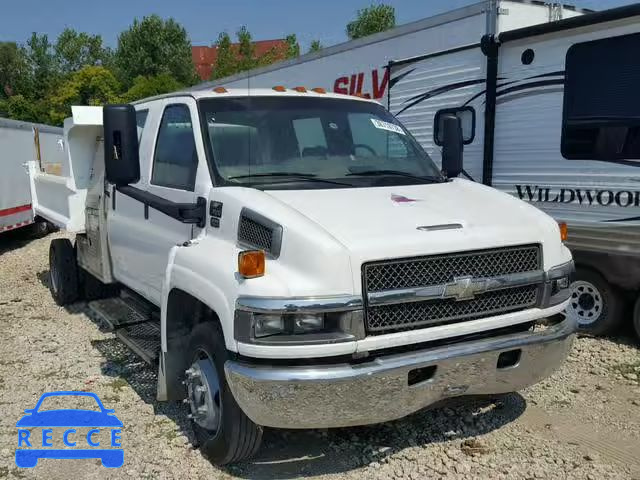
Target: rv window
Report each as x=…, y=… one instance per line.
x=176, y=160
x=601, y=118
x=467, y=116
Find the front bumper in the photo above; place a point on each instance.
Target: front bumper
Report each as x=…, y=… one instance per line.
x=343, y=395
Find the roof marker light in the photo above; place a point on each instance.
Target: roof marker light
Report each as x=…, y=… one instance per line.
x=319, y=90
x=220, y=90
x=279, y=88
x=300, y=89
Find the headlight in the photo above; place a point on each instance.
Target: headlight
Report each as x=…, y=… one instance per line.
x=266, y=325
x=274, y=324
x=303, y=328
x=558, y=280
x=308, y=323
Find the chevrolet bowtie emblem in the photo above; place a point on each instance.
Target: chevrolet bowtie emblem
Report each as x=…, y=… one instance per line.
x=464, y=288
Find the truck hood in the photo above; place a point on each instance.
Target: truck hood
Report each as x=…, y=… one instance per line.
x=402, y=221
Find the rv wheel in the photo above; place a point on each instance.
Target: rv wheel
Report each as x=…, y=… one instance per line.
x=595, y=303
x=636, y=317
x=63, y=271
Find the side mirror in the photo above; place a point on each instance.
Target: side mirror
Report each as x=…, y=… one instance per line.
x=452, y=146
x=121, y=157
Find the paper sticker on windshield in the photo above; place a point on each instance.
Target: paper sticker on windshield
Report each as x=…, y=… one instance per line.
x=387, y=126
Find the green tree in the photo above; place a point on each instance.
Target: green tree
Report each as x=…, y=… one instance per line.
x=144, y=87
x=293, y=48
x=226, y=62
x=153, y=46
x=92, y=85
x=246, y=50
x=19, y=107
x=77, y=50
x=15, y=76
x=315, y=46
x=42, y=63
x=370, y=20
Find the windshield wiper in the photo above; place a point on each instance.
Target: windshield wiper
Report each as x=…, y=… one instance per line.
x=274, y=174
x=379, y=173
x=299, y=176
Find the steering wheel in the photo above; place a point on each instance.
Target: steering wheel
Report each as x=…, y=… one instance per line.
x=366, y=147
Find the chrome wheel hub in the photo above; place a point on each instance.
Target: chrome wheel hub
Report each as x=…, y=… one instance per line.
x=203, y=394
x=586, y=304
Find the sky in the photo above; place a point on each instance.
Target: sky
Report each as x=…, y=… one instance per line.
x=204, y=20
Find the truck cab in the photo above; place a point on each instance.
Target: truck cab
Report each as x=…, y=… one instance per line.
x=293, y=258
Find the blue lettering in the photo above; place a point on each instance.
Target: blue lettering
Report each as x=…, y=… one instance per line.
x=65, y=438
x=90, y=434
x=23, y=435
x=115, y=435
x=46, y=435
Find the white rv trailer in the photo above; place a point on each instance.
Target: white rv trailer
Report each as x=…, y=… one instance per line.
x=552, y=115
x=358, y=66
x=22, y=142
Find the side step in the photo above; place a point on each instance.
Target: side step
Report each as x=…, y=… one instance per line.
x=134, y=322
x=117, y=312
x=143, y=339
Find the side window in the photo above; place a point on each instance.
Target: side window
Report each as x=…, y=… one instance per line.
x=141, y=120
x=175, y=160
x=310, y=136
x=600, y=119
x=467, y=116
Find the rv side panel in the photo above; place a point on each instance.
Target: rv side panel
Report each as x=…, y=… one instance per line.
x=600, y=200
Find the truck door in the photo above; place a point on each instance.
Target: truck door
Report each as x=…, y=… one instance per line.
x=172, y=162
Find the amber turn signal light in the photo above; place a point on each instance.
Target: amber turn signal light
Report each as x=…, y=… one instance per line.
x=251, y=263
x=564, y=231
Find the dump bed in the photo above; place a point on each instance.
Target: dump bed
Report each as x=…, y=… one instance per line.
x=60, y=196
x=20, y=143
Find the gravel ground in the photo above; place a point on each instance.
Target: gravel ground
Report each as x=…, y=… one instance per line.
x=583, y=423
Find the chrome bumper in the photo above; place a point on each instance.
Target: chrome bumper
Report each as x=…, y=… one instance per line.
x=343, y=395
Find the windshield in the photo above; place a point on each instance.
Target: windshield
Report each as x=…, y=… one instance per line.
x=289, y=142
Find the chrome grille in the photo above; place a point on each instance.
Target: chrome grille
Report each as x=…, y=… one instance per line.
x=255, y=234
x=440, y=269
x=444, y=270
x=407, y=316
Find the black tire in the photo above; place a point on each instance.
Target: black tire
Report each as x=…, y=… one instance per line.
x=40, y=228
x=636, y=317
x=595, y=303
x=63, y=271
x=94, y=289
x=237, y=437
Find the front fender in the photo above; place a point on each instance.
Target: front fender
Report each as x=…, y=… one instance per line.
x=206, y=278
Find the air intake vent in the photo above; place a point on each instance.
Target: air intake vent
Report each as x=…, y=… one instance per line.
x=257, y=231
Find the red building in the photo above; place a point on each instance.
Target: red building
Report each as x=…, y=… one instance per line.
x=204, y=58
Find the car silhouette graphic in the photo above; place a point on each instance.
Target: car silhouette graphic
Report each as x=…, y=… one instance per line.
x=105, y=418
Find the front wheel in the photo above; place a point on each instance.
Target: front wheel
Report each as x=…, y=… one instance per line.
x=595, y=303
x=224, y=432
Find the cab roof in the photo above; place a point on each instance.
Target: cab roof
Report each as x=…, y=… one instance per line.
x=252, y=92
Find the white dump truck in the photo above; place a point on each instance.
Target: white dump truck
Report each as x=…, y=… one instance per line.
x=293, y=258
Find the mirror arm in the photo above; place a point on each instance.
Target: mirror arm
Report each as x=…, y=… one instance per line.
x=192, y=213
